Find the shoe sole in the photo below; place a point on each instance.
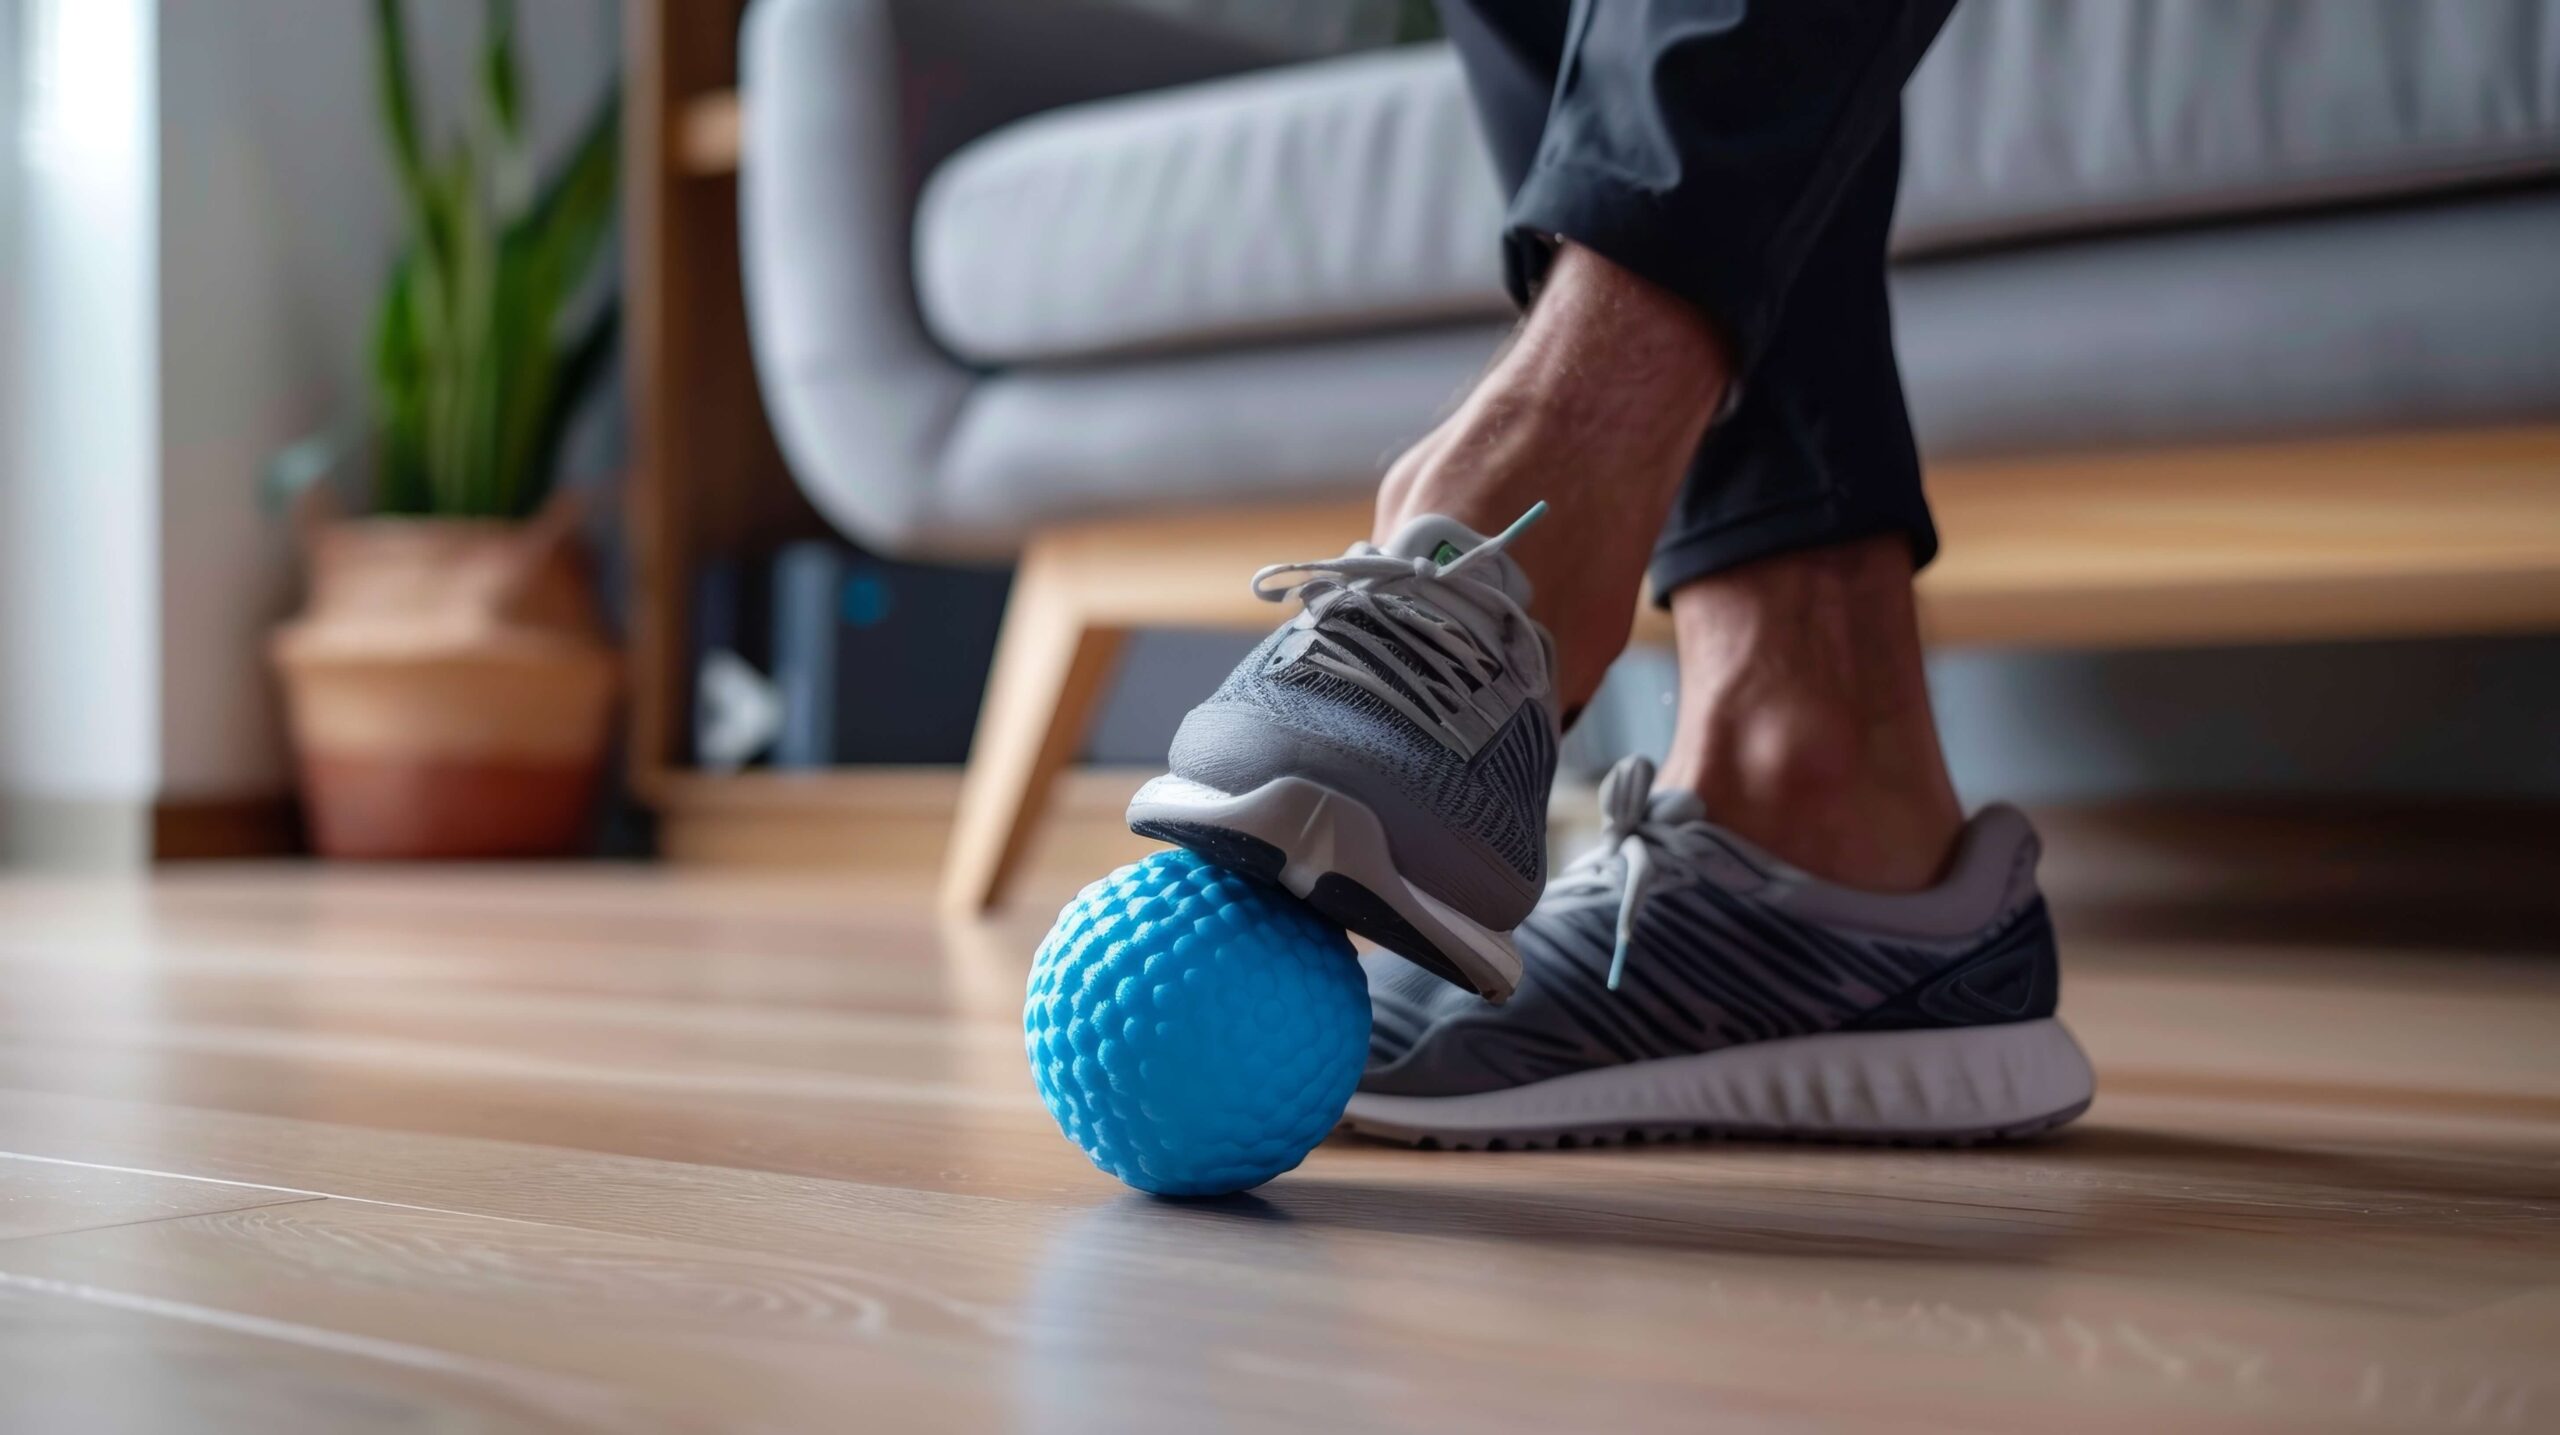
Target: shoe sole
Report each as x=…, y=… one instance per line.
x=1944, y=1087
x=1330, y=850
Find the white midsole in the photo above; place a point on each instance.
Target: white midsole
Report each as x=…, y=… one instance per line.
x=1321, y=831
x=1951, y=1082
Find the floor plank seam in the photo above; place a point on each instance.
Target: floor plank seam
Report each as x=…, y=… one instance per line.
x=49, y=1234
x=292, y=1191
x=297, y=1195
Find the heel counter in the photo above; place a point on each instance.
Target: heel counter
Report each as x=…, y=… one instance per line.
x=2015, y=976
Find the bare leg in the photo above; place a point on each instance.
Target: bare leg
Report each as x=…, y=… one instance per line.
x=1596, y=407
x=1804, y=714
x=1804, y=710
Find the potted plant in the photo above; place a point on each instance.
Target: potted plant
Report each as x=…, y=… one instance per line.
x=449, y=686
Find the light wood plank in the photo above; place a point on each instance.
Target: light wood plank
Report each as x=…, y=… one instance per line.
x=719, y=1152
x=2155, y=1310
x=870, y=818
x=2361, y=535
x=41, y=1197
x=2365, y=536
x=1053, y=667
x=97, y=1362
x=732, y=1339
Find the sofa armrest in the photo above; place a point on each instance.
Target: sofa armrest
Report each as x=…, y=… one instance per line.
x=849, y=106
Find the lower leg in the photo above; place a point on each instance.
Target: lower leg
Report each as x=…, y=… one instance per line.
x=1596, y=407
x=1804, y=719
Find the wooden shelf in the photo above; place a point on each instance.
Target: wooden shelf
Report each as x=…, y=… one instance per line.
x=876, y=818
x=2383, y=535
x=2369, y=536
x=707, y=478
x=708, y=131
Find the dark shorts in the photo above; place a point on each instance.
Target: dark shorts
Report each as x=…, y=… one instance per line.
x=1743, y=156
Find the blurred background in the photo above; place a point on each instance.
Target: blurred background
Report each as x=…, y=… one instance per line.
x=558, y=557
x=591, y=428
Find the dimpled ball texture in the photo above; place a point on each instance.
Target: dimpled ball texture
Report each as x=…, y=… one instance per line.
x=1195, y=1031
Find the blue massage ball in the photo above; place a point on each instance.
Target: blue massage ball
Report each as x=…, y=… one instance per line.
x=1195, y=1031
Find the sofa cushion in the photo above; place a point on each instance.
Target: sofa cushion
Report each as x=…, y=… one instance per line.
x=2435, y=314
x=2030, y=118
x=1353, y=194
x=1335, y=195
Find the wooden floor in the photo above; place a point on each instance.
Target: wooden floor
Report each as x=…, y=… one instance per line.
x=350, y=1151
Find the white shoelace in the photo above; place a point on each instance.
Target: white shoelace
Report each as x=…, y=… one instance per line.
x=1385, y=585
x=1629, y=835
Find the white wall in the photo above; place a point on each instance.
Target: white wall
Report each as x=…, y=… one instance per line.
x=9, y=266
x=79, y=536
x=195, y=217
x=236, y=383
x=279, y=219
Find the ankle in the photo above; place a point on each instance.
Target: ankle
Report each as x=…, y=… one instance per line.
x=1585, y=566
x=1597, y=407
x=1812, y=786
x=1804, y=715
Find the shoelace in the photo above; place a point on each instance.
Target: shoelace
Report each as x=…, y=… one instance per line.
x=1365, y=576
x=1628, y=836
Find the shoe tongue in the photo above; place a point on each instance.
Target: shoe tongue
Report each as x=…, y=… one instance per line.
x=1444, y=540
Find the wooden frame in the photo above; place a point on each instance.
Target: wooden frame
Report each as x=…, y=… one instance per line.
x=2376, y=536
x=707, y=477
x=2336, y=537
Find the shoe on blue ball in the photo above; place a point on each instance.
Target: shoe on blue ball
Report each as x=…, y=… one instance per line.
x=1194, y=1031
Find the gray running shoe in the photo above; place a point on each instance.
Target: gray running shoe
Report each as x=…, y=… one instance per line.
x=1681, y=982
x=1386, y=754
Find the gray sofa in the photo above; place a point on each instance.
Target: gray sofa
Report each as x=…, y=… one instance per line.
x=1012, y=264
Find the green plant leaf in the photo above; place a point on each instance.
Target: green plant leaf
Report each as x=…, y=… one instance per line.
x=527, y=299
x=576, y=210
x=582, y=364
x=399, y=394
x=402, y=133
x=396, y=95
x=475, y=373
x=456, y=328
x=558, y=243
x=501, y=79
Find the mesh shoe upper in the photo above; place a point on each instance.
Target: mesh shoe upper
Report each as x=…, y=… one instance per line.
x=1724, y=945
x=1413, y=680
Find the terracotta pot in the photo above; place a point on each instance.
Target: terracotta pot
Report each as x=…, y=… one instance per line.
x=449, y=688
